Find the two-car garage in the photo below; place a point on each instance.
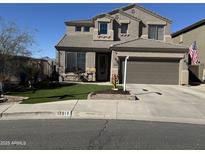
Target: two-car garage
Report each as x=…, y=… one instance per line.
x=151, y=71
x=152, y=62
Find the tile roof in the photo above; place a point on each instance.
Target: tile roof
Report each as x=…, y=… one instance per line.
x=86, y=42
x=148, y=43
x=83, y=41
x=88, y=22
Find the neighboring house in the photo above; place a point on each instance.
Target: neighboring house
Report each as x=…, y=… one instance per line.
x=16, y=66
x=186, y=36
x=94, y=49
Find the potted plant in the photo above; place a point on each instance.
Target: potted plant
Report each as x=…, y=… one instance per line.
x=115, y=79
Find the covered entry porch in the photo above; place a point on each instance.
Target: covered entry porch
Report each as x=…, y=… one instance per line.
x=86, y=66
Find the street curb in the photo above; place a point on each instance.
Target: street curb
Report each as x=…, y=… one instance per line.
x=102, y=116
x=95, y=115
x=37, y=114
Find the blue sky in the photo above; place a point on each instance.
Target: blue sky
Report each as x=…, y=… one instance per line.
x=49, y=19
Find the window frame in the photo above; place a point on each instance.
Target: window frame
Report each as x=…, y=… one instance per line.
x=156, y=33
x=126, y=27
x=76, y=28
x=100, y=28
x=78, y=64
x=84, y=29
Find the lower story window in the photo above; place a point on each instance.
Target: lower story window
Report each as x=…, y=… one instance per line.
x=75, y=62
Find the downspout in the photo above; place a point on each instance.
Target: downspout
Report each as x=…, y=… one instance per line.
x=125, y=73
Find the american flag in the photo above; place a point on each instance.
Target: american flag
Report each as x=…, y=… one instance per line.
x=193, y=53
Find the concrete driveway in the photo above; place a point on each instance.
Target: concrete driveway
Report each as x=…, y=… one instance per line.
x=169, y=101
x=168, y=93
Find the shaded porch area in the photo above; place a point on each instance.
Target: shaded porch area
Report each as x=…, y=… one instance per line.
x=82, y=66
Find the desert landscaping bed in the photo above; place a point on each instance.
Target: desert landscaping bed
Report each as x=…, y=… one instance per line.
x=111, y=95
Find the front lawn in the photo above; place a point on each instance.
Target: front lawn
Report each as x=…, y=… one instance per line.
x=76, y=91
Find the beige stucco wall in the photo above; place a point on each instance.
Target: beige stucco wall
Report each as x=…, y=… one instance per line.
x=115, y=65
x=106, y=37
x=61, y=61
x=147, y=19
x=197, y=35
x=90, y=65
x=183, y=70
x=133, y=27
x=188, y=38
x=71, y=30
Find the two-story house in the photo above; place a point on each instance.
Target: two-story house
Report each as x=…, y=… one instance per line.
x=95, y=49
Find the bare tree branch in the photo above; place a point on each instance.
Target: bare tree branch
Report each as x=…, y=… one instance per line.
x=13, y=42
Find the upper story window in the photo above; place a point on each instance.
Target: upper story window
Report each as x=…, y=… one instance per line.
x=124, y=28
x=156, y=32
x=78, y=28
x=86, y=29
x=103, y=27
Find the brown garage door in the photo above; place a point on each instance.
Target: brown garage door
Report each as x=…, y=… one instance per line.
x=151, y=71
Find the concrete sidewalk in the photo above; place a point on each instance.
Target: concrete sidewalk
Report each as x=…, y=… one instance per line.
x=108, y=109
x=61, y=109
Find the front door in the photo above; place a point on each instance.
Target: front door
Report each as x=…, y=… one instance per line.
x=103, y=70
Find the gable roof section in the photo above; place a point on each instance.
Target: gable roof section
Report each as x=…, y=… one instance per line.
x=128, y=15
x=90, y=22
x=132, y=6
x=188, y=28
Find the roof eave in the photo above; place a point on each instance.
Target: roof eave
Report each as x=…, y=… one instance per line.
x=181, y=50
x=77, y=22
x=82, y=48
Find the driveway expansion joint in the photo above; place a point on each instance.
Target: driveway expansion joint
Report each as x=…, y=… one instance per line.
x=73, y=108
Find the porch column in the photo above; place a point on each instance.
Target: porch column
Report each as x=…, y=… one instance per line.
x=114, y=64
x=183, y=71
x=90, y=66
x=61, y=61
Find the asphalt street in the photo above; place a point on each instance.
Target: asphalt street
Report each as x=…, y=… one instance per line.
x=99, y=134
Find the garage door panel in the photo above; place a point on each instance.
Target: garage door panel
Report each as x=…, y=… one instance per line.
x=152, y=71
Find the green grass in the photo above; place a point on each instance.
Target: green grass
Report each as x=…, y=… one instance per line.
x=78, y=91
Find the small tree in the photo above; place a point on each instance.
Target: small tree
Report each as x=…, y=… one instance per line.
x=13, y=42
